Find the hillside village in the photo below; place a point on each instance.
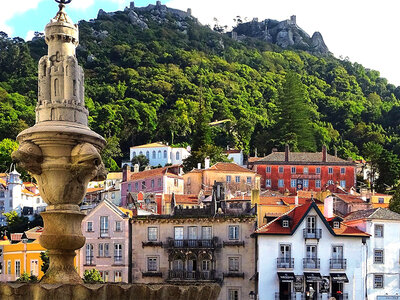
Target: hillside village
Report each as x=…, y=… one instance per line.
x=293, y=222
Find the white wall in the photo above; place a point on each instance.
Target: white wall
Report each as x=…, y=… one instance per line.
x=268, y=249
x=171, y=155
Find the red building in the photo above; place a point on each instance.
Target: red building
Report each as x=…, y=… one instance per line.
x=293, y=171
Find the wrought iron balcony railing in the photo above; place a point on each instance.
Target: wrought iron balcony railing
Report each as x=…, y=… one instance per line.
x=192, y=243
x=285, y=263
x=337, y=263
x=191, y=275
x=311, y=263
x=312, y=233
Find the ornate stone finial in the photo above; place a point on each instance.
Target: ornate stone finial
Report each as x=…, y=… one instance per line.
x=61, y=15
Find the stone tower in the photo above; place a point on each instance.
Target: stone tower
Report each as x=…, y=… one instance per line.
x=60, y=151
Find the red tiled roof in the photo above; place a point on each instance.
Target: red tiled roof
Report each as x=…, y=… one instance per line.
x=182, y=199
x=154, y=172
x=347, y=230
x=253, y=159
x=349, y=198
x=229, y=167
x=303, y=157
x=93, y=190
x=232, y=151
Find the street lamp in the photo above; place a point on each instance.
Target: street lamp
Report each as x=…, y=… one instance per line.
x=252, y=295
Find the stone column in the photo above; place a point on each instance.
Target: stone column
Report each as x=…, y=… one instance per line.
x=60, y=151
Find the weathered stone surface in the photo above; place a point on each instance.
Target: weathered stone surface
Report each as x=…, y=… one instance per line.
x=16, y=291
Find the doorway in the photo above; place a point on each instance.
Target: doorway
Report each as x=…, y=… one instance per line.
x=311, y=290
x=337, y=290
x=285, y=290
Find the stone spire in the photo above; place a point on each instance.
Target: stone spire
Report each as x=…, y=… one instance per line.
x=61, y=81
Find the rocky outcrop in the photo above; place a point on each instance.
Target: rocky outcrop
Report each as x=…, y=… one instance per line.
x=135, y=20
x=285, y=34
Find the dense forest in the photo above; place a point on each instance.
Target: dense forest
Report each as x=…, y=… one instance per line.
x=170, y=80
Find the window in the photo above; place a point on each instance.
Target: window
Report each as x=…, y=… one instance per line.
x=147, y=154
x=336, y=224
x=268, y=169
x=233, y=294
x=280, y=183
x=378, y=281
x=89, y=226
x=318, y=183
x=9, y=267
x=378, y=232
x=381, y=200
x=378, y=256
x=118, y=226
x=330, y=182
x=285, y=223
x=159, y=181
x=248, y=180
x=178, y=233
x=228, y=178
x=133, y=154
x=34, y=267
x=330, y=170
x=117, y=252
x=136, y=185
x=305, y=183
x=311, y=252
x=152, y=265
x=177, y=265
x=176, y=182
x=118, y=276
x=310, y=224
x=101, y=250
x=237, y=179
x=293, y=183
x=165, y=153
x=342, y=170
x=233, y=264
x=206, y=265
x=17, y=268
x=177, y=155
x=140, y=153
x=159, y=154
x=233, y=232
x=103, y=226
x=305, y=170
x=154, y=155
x=280, y=169
x=152, y=234
x=268, y=182
x=293, y=170
x=1, y=194
x=343, y=183
x=318, y=170
x=89, y=254
x=113, y=195
x=206, y=233
x=285, y=251
x=337, y=252
x=143, y=185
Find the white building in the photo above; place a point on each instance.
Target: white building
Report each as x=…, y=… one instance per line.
x=160, y=154
x=236, y=156
x=382, y=268
x=303, y=255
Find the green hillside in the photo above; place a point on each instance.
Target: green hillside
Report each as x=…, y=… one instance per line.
x=164, y=82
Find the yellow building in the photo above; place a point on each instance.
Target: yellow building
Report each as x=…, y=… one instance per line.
x=380, y=200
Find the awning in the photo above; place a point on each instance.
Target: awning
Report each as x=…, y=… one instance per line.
x=312, y=277
x=286, y=277
x=339, y=277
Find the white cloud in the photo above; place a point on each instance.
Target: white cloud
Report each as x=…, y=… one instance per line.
x=29, y=35
x=8, y=9
x=363, y=30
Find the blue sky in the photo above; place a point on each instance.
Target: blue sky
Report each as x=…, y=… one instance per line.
x=365, y=31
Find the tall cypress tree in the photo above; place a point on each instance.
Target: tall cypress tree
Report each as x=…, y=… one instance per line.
x=295, y=115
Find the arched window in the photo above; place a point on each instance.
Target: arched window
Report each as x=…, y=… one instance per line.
x=177, y=265
x=165, y=153
x=154, y=154
x=74, y=87
x=133, y=154
x=177, y=155
x=159, y=153
x=147, y=154
x=55, y=87
x=140, y=153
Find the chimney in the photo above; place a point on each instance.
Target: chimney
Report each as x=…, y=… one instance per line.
x=255, y=197
x=324, y=153
x=296, y=201
x=136, y=168
x=335, y=151
x=199, y=166
x=328, y=207
x=274, y=150
x=206, y=162
x=287, y=150
x=126, y=173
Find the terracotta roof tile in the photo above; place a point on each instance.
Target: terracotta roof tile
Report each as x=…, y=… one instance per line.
x=154, y=172
x=229, y=167
x=93, y=190
x=310, y=157
x=182, y=199
x=347, y=198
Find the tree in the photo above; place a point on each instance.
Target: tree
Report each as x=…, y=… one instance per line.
x=372, y=152
x=216, y=154
x=111, y=152
x=92, y=276
x=15, y=222
x=394, y=204
x=295, y=114
x=140, y=160
x=44, y=256
x=389, y=170
x=7, y=146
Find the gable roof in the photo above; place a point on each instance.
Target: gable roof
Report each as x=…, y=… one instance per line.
x=123, y=213
x=379, y=213
x=192, y=199
x=301, y=157
x=297, y=216
x=347, y=198
x=229, y=167
x=155, y=172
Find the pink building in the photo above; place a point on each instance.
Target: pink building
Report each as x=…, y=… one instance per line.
x=166, y=180
x=106, y=229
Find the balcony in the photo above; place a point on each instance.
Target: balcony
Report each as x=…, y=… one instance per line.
x=285, y=263
x=191, y=275
x=312, y=233
x=104, y=233
x=280, y=296
x=89, y=260
x=196, y=244
x=337, y=263
x=311, y=263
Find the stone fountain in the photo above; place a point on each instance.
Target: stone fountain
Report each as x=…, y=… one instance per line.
x=60, y=151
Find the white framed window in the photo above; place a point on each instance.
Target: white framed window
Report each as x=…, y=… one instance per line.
x=293, y=170
x=330, y=182
x=305, y=170
x=159, y=181
x=336, y=224
x=318, y=183
x=318, y=170
x=342, y=170
x=268, y=169
x=233, y=294
x=281, y=183
x=117, y=252
x=17, y=268
x=192, y=232
x=104, y=275
x=378, y=281
x=101, y=250
x=343, y=183
x=177, y=155
x=89, y=254
x=147, y=154
x=237, y=179
x=165, y=154
x=378, y=230
x=206, y=232
x=103, y=226
x=280, y=169
x=152, y=234
x=152, y=264
x=106, y=250
x=305, y=183
x=153, y=154
x=248, y=180
x=118, y=226
x=133, y=154
x=233, y=232
x=159, y=154
x=234, y=264
x=330, y=170
x=118, y=276
x=178, y=233
x=293, y=183
x=89, y=226
x=152, y=183
x=228, y=178
x=378, y=256
x=285, y=223
x=34, y=267
x=268, y=182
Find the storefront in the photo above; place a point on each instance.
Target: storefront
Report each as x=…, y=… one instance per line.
x=312, y=285
x=338, y=280
x=285, y=285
